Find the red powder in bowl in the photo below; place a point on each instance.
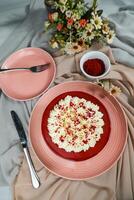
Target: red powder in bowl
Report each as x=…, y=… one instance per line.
x=94, y=67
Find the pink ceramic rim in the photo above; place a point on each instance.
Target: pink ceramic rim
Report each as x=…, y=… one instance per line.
x=36, y=96
x=108, y=167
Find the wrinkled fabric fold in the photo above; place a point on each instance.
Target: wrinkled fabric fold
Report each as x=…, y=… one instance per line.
x=115, y=184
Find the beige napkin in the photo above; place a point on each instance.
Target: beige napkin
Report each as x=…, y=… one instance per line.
x=118, y=182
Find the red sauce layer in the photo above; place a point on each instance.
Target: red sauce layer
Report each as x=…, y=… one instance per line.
x=80, y=155
x=94, y=67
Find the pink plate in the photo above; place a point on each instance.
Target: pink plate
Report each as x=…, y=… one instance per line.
x=25, y=85
x=96, y=165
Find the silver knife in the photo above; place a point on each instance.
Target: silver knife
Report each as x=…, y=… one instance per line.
x=23, y=139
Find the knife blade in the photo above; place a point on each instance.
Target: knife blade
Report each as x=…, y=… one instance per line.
x=19, y=128
x=23, y=139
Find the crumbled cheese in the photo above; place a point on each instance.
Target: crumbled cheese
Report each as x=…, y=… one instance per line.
x=75, y=124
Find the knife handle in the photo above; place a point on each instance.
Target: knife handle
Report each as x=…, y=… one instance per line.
x=34, y=177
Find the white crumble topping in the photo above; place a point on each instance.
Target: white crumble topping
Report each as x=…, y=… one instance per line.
x=75, y=124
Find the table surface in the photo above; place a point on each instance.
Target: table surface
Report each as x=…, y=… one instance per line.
x=5, y=193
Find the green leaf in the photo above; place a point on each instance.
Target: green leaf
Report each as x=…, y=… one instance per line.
x=94, y=5
x=87, y=15
x=99, y=12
